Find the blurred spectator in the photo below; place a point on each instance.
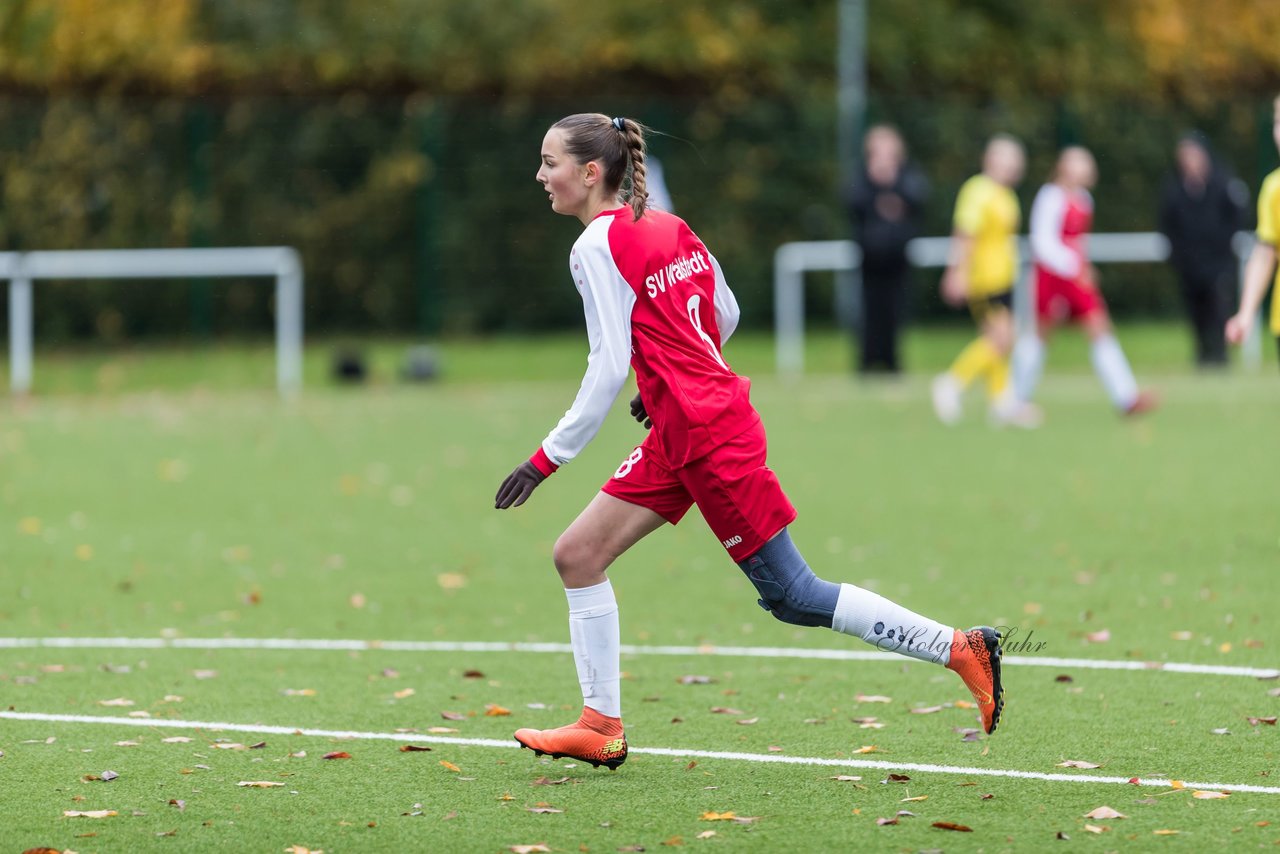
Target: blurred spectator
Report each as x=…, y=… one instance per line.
x=1201, y=207
x=656, y=183
x=884, y=203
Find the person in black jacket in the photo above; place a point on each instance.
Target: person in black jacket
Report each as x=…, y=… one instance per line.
x=1201, y=208
x=884, y=202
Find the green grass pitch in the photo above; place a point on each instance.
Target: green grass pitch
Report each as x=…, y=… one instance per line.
x=162, y=496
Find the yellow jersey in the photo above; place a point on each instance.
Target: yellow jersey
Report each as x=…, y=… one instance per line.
x=988, y=211
x=1269, y=232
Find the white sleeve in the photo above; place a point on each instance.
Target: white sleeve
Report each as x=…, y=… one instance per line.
x=607, y=301
x=727, y=311
x=1047, y=213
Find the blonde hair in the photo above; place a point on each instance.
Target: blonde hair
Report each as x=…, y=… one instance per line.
x=620, y=147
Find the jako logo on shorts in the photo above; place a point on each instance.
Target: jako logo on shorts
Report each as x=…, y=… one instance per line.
x=732, y=541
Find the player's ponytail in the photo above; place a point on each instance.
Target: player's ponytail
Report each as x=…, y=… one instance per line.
x=618, y=144
x=633, y=131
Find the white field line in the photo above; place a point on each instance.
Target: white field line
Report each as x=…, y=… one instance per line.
x=322, y=645
x=765, y=758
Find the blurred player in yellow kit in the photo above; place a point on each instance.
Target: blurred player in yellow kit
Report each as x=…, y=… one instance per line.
x=1258, y=272
x=982, y=272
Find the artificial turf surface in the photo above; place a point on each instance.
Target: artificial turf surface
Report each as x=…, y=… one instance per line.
x=207, y=509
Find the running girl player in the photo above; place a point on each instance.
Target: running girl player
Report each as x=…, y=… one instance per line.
x=1067, y=286
x=655, y=299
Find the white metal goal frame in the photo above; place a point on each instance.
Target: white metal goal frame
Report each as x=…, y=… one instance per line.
x=282, y=263
x=792, y=260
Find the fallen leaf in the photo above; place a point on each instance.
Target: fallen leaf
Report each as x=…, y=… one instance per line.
x=92, y=813
x=228, y=745
x=537, y=848
x=926, y=710
x=867, y=748
x=205, y=674
x=1221, y=731
x=1061, y=835
x=1269, y=721
x=493, y=710
x=259, y=784
x=988, y=796
x=871, y=698
x=1181, y=635
x=717, y=816
x=896, y=778
x=1177, y=784
x=773, y=748
x=1063, y=677
x=108, y=776
x=748, y=721
x=413, y=748
x=453, y=716
x=745, y=819
x=1208, y=796
x=179, y=803
x=674, y=842
x=1104, y=812
x=140, y=714
x=177, y=739
x=915, y=799
x=547, y=781
x=964, y=704
x=337, y=754
x=403, y=693
x=881, y=822
x=1101, y=636
x=693, y=763
x=451, y=580
x=1078, y=763
x=541, y=809
x=947, y=825
x=261, y=745
x=118, y=701
x=695, y=680
x=725, y=710
x=846, y=778
x=1166, y=832
x=904, y=814
x=1093, y=828
x=449, y=766
x=299, y=692
x=706, y=834
x=167, y=833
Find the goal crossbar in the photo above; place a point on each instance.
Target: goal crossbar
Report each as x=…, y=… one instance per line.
x=279, y=262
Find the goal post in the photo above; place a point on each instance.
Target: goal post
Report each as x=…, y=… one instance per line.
x=792, y=260
x=282, y=263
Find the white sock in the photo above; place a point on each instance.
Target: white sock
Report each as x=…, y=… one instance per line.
x=891, y=627
x=594, y=635
x=1111, y=366
x=1028, y=364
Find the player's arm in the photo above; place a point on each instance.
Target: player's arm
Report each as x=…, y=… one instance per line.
x=1047, y=213
x=955, y=279
x=727, y=311
x=606, y=302
x=1257, y=278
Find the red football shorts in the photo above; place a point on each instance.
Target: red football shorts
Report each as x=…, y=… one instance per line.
x=738, y=494
x=1059, y=300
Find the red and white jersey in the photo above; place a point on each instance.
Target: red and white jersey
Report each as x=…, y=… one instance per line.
x=1060, y=224
x=655, y=299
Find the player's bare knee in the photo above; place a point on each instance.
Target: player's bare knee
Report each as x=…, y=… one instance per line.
x=577, y=561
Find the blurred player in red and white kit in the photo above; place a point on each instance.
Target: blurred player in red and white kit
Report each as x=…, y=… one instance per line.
x=656, y=300
x=1067, y=285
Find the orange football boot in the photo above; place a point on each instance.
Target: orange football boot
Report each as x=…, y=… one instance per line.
x=975, y=657
x=595, y=738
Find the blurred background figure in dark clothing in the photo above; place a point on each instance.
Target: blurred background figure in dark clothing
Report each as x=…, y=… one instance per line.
x=1201, y=207
x=884, y=202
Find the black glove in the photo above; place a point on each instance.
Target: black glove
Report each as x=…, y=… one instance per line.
x=518, y=486
x=638, y=412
